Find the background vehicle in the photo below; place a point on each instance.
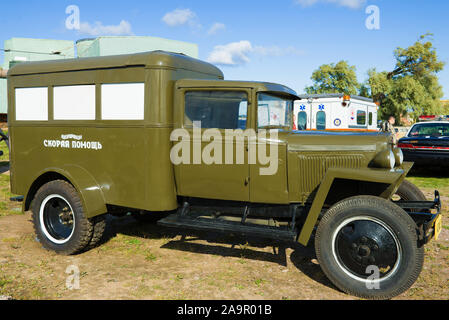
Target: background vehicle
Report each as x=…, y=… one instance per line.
x=335, y=112
x=96, y=136
x=401, y=132
x=427, y=143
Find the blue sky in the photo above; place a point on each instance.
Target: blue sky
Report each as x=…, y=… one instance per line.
x=281, y=41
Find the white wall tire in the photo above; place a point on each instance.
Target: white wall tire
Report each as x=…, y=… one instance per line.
x=46, y=225
x=344, y=263
x=84, y=232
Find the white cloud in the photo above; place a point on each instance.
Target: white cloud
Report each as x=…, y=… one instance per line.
x=353, y=4
x=231, y=54
x=237, y=53
x=180, y=17
x=216, y=27
x=98, y=29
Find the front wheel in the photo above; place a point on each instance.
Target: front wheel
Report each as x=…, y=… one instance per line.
x=368, y=247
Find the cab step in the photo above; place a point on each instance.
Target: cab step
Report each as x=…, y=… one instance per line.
x=227, y=227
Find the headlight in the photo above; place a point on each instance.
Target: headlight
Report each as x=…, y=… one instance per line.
x=392, y=159
x=399, y=156
x=385, y=159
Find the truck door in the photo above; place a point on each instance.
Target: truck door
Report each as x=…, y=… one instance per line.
x=269, y=176
x=218, y=166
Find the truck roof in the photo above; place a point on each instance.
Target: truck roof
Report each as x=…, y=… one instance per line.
x=155, y=59
x=259, y=86
x=333, y=95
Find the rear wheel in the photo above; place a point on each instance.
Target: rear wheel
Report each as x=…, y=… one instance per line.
x=60, y=222
x=368, y=247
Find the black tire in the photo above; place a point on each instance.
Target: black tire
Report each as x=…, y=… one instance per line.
x=372, y=215
x=99, y=230
x=45, y=207
x=409, y=192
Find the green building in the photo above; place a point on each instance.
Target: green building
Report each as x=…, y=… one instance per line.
x=106, y=46
x=18, y=50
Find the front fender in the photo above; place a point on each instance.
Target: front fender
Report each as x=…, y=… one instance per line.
x=393, y=178
x=92, y=197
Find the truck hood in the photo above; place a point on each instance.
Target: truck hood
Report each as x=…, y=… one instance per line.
x=318, y=141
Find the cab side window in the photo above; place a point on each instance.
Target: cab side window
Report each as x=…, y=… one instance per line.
x=216, y=109
x=370, y=118
x=321, y=120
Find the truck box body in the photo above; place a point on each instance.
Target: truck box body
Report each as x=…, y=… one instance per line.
x=103, y=123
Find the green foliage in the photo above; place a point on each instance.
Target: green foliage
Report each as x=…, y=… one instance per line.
x=445, y=106
x=334, y=78
x=412, y=88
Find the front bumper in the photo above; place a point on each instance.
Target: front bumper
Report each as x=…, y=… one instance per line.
x=427, y=215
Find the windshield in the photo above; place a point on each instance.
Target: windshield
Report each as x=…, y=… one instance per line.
x=430, y=129
x=274, y=111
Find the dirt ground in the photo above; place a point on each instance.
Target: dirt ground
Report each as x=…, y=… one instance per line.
x=144, y=261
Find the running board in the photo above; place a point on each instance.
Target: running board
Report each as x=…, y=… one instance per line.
x=227, y=227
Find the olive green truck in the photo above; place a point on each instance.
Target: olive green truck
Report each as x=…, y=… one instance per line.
x=145, y=134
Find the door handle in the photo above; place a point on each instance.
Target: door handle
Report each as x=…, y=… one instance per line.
x=247, y=180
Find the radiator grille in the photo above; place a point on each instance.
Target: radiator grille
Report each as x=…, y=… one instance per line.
x=313, y=168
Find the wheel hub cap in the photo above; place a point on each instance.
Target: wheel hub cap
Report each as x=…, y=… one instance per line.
x=363, y=243
x=58, y=219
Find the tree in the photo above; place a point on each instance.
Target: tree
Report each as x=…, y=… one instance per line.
x=334, y=78
x=412, y=87
x=445, y=107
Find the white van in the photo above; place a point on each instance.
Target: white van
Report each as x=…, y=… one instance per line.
x=335, y=112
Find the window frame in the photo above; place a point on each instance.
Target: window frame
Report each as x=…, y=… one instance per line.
x=274, y=94
x=185, y=90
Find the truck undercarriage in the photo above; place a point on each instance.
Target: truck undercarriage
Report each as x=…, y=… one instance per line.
x=279, y=222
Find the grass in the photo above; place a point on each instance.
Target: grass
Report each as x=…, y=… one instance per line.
x=7, y=207
x=430, y=179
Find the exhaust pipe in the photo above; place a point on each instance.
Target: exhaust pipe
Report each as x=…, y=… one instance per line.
x=3, y=73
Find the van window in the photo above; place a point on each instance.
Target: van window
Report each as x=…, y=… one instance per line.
x=302, y=120
x=321, y=120
x=361, y=118
x=216, y=109
x=32, y=104
x=74, y=102
x=370, y=118
x=124, y=101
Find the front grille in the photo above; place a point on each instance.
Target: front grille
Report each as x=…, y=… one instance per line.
x=312, y=169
